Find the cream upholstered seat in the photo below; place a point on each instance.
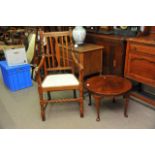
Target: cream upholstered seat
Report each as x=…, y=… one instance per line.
x=60, y=80
x=56, y=70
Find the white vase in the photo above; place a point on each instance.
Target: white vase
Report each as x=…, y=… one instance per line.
x=79, y=35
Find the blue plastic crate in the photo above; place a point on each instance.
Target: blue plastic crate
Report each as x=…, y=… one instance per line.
x=16, y=77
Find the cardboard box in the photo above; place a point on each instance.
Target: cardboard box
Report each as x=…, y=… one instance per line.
x=15, y=55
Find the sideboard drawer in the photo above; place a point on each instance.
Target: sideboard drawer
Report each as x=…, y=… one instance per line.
x=141, y=67
x=142, y=48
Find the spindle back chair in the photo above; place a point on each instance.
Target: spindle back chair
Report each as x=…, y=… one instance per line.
x=56, y=72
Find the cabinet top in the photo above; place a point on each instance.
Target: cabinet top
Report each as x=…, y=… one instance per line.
x=105, y=36
x=87, y=47
x=143, y=40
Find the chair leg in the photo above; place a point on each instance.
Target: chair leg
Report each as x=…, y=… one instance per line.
x=49, y=95
x=42, y=103
x=74, y=93
x=33, y=74
x=43, y=113
x=81, y=104
x=89, y=94
x=81, y=108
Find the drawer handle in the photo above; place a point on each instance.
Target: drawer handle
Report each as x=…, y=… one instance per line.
x=114, y=63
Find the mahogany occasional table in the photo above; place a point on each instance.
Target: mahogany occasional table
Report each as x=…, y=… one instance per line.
x=108, y=86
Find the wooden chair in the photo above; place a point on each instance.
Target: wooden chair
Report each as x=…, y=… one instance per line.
x=55, y=72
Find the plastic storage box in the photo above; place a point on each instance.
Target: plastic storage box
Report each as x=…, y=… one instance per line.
x=16, y=77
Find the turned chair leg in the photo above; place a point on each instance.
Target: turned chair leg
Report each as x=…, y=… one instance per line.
x=81, y=109
x=90, y=103
x=81, y=104
x=42, y=105
x=74, y=93
x=126, y=97
x=49, y=95
x=43, y=113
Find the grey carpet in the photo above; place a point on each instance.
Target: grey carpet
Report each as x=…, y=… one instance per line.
x=21, y=109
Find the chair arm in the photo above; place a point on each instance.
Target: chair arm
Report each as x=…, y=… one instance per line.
x=80, y=66
x=41, y=63
x=37, y=70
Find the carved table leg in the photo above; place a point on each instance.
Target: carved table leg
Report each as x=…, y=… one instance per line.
x=97, y=103
x=126, y=97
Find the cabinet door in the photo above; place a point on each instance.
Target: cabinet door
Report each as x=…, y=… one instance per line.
x=113, y=58
x=91, y=61
x=119, y=59
x=113, y=53
x=141, y=67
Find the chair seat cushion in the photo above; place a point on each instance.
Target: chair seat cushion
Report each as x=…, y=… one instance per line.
x=60, y=80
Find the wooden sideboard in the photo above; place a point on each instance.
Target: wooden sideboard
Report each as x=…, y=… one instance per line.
x=90, y=56
x=140, y=63
x=113, y=52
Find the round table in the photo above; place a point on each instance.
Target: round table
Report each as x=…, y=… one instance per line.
x=108, y=85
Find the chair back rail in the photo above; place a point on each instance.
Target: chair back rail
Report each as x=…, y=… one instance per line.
x=55, y=46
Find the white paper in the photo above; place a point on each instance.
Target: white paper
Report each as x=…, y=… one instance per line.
x=16, y=56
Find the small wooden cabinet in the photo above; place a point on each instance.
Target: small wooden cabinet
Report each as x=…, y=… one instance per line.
x=113, y=52
x=140, y=62
x=90, y=56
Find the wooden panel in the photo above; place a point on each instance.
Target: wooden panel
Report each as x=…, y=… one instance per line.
x=140, y=64
x=93, y=62
x=113, y=52
x=141, y=68
x=142, y=48
x=144, y=98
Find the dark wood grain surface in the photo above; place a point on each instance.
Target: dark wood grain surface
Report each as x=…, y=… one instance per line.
x=109, y=85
